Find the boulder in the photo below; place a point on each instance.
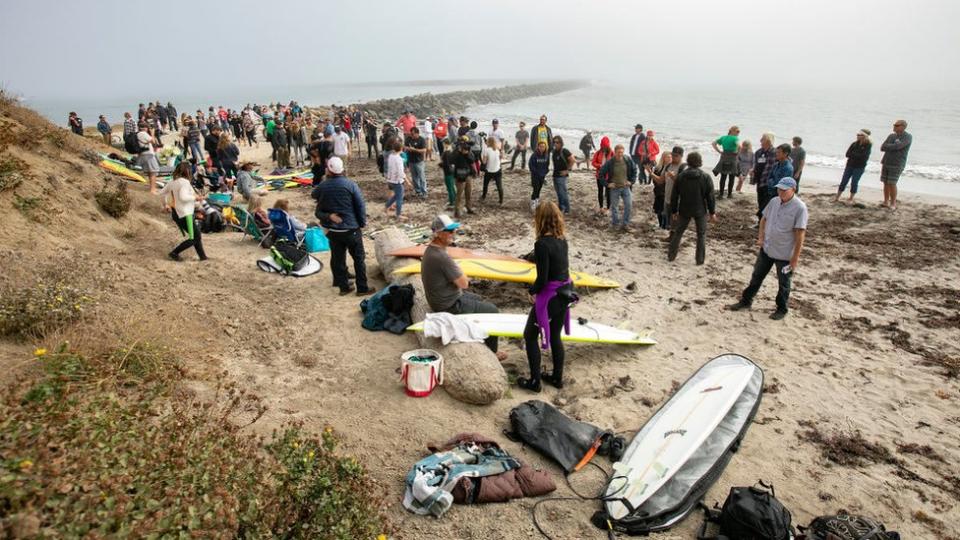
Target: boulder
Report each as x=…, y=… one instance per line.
x=472, y=373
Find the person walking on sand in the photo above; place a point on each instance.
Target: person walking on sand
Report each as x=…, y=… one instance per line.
x=147, y=158
x=103, y=127
x=563, y=162
x=798, y=158
x=370, y=136
x=783, y=229
x=857, y=155
x=619, y=174
x=542, y=133
x=599, y=158
x=464, y=170
x=745, y=162
x=183, y=208
x=343, y=213
x=341, y=143
x=551, y=295
x=692, y=198
x=445, y=284
x=539, y=167
x=521, y=138
x=670, y=175
x=490, y=160
x=894, y=160
x=396, y=180
x=636, y=148
x=416, y=148
x=728, y=147
x=587, y=147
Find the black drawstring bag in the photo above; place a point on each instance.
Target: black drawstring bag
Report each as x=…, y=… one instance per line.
x=571, y=443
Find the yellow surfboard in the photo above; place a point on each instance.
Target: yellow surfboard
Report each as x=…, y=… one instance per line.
x=514, y=272
x=122, y=170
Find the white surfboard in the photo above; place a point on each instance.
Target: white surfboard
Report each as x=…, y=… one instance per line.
x=675, y=432
x=512, y=325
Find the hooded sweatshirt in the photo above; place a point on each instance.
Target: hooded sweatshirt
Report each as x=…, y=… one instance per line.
x=602, y=155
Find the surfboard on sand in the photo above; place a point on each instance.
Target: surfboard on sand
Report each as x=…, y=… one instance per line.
x=512, y=325
x=121, y=169
x=515, y=272
x=416, y=252
x=678, y=430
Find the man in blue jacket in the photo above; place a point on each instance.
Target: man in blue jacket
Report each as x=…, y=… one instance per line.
x=342, y=211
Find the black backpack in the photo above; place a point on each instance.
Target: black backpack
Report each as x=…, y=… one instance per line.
x=130, y=143
x=212, y=222
x=844, y=526
x=288, y=256
x=749, y=513
x=398, y=303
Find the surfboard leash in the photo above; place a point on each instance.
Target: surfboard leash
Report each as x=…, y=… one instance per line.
x=579, y=497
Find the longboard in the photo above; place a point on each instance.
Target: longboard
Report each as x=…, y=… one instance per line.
x=665, y=443
x=511, y=325
x=416, y=252
x=123, y=170
x=514, y=272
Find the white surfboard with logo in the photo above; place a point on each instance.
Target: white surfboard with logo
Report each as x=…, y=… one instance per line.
x=676, y=431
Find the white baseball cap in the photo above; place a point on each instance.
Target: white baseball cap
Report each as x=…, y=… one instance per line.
x=335, y=165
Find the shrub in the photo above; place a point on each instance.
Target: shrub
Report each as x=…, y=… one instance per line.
x=115, y=202
x=96, y=447
x=11, y=172
x=49, y=304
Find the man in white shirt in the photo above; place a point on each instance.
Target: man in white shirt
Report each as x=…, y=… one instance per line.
x=341, y=143
x=498, y=134
x=427, y=132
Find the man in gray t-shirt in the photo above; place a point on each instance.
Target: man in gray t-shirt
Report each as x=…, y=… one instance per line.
x=444, y=282
x=783, y=229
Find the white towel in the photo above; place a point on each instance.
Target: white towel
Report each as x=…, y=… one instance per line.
x=450, y=328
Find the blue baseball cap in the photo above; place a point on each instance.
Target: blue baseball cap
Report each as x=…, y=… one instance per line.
x=443, y=223
x=787, y=183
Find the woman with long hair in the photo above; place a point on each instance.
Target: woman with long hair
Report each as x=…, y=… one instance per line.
x=659, y=178
x=745, y=162
x=182, y=210
x=227, y=154
x=551, y=295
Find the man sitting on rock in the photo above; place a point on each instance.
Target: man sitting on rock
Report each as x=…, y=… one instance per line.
x=444, y=282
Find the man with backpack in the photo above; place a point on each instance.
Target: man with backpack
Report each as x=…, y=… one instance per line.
x=342, y=211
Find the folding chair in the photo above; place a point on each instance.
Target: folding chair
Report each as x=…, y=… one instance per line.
x=248, y=225
x=283, y=226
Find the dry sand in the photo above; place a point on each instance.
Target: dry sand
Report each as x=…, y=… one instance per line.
x=870, y=345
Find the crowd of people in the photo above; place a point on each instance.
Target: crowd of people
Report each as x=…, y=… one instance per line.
x=682, y=191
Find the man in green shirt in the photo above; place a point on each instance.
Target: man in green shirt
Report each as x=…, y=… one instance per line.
x=619, y=174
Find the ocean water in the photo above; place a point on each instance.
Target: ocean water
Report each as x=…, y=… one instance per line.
x=89, y=109
x=827, y=120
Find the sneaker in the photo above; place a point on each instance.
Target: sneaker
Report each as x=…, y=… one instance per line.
x=367, y=292
x=548, y=378
x=174, y=257
x=778, y=314
x=738, y=306
x=529, y=384
x=348, y=290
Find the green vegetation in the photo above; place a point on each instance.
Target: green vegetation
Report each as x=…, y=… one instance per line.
x=115, y=202
x=94, y=446
x=49, y=304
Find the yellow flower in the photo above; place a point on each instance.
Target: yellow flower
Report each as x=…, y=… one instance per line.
x=328, y=429
x=40, y=352
x=381, y=537
x=26, y=465
x=310, y=454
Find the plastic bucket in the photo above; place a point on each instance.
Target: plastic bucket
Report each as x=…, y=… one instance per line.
x=421, y=370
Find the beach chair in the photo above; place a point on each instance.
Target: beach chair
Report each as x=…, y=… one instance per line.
x=283, y=226
x=249, y=226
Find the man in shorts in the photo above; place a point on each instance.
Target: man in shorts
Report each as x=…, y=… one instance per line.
x=895, y=150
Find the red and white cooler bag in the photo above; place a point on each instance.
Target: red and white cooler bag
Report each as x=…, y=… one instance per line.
x=421, y=370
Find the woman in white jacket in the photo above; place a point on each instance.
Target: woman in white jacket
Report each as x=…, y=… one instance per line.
x=184, y=199
x=396, y=180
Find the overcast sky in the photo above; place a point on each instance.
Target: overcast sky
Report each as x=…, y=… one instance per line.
x=85, y=48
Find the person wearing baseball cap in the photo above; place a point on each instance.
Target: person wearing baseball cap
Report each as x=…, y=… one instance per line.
x=783, y=228
x=444, y=283
x=342, y=211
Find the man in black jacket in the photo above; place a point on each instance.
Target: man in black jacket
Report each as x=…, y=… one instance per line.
x=210, y=143
x=692, y=198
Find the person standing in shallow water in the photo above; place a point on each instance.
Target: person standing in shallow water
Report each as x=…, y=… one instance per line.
x=894, y=160
x=551, y=295
x=857, y=155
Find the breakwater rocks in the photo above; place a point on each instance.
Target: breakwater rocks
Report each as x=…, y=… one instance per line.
x=447, y=103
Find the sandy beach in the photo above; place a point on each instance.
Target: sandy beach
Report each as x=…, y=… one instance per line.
x=860, y=409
